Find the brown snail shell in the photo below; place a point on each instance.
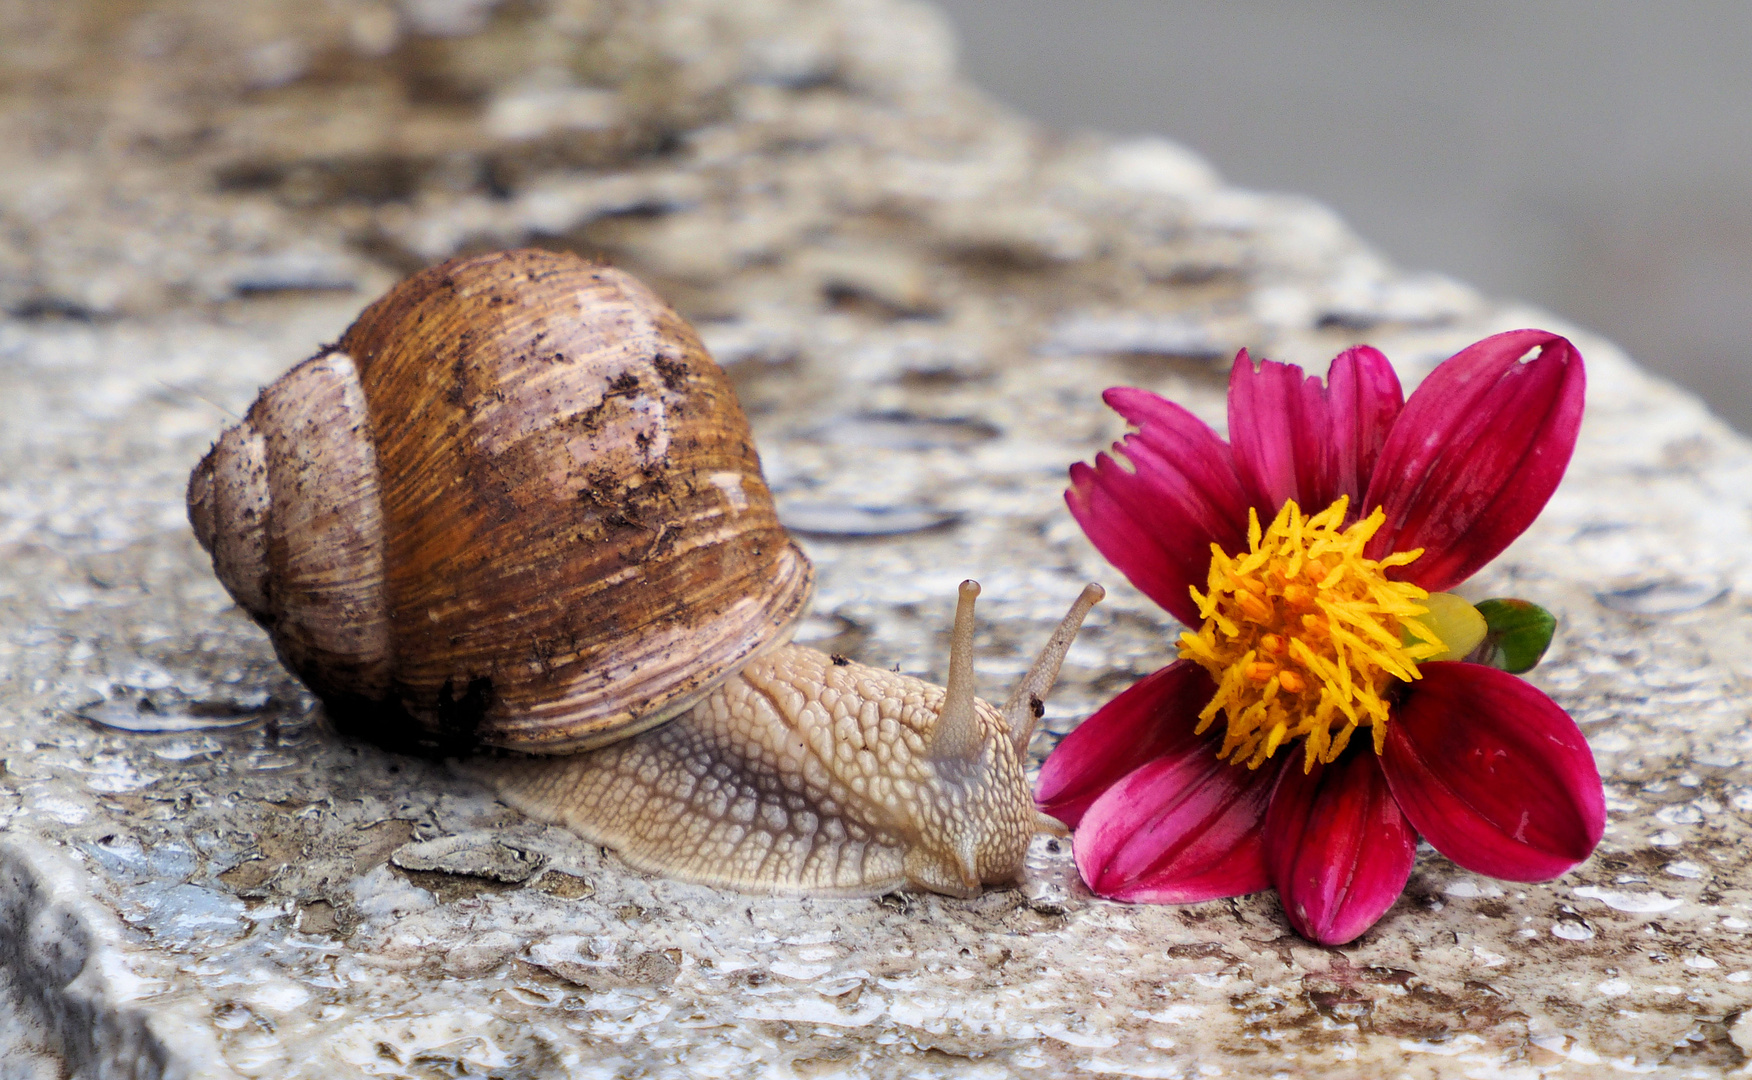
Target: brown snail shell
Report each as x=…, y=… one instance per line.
x=517, y=505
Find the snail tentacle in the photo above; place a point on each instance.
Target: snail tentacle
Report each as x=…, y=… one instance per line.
x=1024, y=706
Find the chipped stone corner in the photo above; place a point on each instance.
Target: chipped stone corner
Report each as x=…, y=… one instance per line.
x=72, y=1002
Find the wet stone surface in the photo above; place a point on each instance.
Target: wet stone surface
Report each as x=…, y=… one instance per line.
x=918, y=297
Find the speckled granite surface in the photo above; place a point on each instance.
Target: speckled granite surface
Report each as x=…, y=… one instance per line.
x=919, y=297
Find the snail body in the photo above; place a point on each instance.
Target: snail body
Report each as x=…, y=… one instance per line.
x=517, y=506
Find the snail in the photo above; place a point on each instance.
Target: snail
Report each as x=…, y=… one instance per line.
x=517, y=507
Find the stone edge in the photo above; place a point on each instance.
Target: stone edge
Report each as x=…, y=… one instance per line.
x=65, y=956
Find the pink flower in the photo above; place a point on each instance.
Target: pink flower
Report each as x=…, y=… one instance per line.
x=1234, y=768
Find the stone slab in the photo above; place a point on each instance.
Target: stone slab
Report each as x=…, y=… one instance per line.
x=919, y=298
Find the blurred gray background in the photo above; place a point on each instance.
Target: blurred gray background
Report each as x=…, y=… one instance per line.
x=1594, y=157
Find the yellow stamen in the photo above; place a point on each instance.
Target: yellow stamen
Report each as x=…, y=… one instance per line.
x=1261, y=672
x=1253, y=607
x=1304, y=636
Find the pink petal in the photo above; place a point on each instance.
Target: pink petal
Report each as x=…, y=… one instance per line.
x=1152, y=717
x=1476, y=453
x=1156, y=521
x=1493, y=773
x=1338, y=848
x=1184, y=827
x=1363, y=400
x=1278, y=426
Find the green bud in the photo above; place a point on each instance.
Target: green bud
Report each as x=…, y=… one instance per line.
x=1517, y=633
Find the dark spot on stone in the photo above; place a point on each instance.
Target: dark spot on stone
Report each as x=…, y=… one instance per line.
x=565, y=886
x=1342, y=1006
x=1395, y=976
x=1050, y=907
x=1204, y=950
x=250, y=878
x=653, y=968
x=448, y=887
x=320, y=917
x=1345, y=320
x=568, y=972
x=1709, y=1045
x=900, y=430
x=42, y=308
x=828, y=1061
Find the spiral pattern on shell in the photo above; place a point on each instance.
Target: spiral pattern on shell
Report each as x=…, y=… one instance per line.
x=516, y=505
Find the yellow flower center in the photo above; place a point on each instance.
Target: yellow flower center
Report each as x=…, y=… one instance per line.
x=1305, y=637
